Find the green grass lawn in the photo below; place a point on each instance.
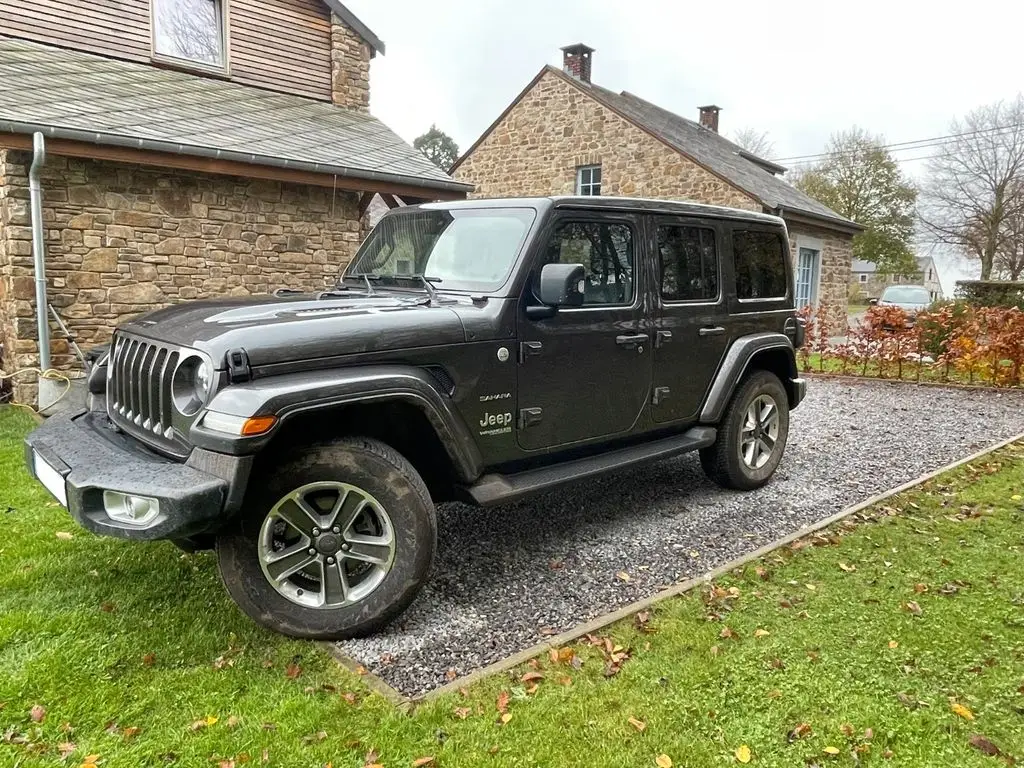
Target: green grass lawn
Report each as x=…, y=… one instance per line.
x=892, y=642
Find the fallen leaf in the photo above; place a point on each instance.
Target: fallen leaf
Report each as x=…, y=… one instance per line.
x=502, y=702
x=292, y=671
x=622, y=576
x=565, y=680
x=313, y=738
x=505, y=718
x=37, y=713
x=919, y=588
x=149, y=659
x=726, y=633
x=531, y=677
x=962, y=711
x=349, y=697
x=65, y=748
x=847, y=730
x=1016, y=497
x=451, y=674
x=893, y=644
x=985, y=745
x=762, y=573
x=420, y=762
x=810, y=587
x=89, y=761
x=107, y=607
x=640, y=725
x=847, y=568
x=226, y=763
x=777, y=664
x=831, y=751
x=869, y=734
x=761, y=633
x=131, y=732
x=742, y=754
x=361, y=670
x=914, y=608
x=801, y=730
x=65, y=536
x=233, y=722
x=714, y=650
x=663, y=761
x=462, y=712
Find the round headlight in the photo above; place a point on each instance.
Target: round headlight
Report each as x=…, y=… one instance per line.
x=190, y=386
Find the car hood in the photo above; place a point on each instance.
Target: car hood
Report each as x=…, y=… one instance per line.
x=905, y=306
x=277, y=330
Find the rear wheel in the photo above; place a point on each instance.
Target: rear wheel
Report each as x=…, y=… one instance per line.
x=333, y=543
x=751, y=436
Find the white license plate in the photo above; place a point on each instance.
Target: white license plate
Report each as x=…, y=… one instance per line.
x=50, y=478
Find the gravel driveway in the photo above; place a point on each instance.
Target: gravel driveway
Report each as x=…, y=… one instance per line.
x=502, y=575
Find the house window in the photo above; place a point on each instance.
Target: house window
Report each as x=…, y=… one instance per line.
x=190, y=30
x=588, y=180
x=808, y=265
x=863, y=277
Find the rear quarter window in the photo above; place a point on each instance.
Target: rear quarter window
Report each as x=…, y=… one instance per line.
x=760, y=264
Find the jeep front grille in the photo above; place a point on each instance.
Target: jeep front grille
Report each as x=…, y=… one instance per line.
x=139, y=388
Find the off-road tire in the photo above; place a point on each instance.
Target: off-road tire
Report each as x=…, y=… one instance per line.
x=722, y=462
x=363, y=462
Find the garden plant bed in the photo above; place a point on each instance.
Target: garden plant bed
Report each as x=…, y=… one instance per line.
x=891, y=638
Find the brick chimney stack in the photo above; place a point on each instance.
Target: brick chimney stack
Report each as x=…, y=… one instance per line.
x=576, y=61
x=709, y=117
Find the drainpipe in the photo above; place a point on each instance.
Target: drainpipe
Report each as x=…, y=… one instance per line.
x=39, y=248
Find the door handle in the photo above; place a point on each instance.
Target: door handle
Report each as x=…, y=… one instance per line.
x=715, y=330
x=663, y=337
x=633, y=340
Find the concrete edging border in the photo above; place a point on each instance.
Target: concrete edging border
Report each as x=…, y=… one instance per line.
x=852, y=378
x=396, y=697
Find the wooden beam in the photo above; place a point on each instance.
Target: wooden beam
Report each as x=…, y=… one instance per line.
x=390, y=200
x=364, y=202
x=223, y=167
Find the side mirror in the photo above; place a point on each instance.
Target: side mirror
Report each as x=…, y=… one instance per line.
x=873, y=302
x=562, y=285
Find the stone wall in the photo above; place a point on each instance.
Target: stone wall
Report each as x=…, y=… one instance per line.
x=125, y=239
x=350, y=67
x=556, y=128
x=836, y=260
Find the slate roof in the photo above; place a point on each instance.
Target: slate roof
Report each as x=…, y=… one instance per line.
x=80, y=96
x=870, y=266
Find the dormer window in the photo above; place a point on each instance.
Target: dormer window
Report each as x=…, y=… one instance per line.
x=190, y=31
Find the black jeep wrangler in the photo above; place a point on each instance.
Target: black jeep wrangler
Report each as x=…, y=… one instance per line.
x=478, y=351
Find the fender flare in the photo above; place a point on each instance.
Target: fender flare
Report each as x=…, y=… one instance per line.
x=735, y=364
x=292, y=394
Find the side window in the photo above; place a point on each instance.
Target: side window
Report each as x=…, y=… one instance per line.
x=605, y=249
x=760, y=259
x=689, y=263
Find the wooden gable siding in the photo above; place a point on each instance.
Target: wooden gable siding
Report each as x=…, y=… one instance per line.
x=283, y=45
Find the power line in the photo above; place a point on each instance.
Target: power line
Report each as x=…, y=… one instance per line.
x=903, y=146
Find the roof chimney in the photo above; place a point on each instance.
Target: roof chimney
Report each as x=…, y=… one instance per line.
x=576, y=61
x=709, y=117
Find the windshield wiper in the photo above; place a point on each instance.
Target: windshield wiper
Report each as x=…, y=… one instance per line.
x=367, y=277
x=428, y=285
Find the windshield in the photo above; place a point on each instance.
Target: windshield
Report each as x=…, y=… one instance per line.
x=462, y=249
x=906, y=294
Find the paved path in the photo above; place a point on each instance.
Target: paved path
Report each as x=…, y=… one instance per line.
x=505, y=576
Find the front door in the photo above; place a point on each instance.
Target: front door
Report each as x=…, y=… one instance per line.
x=692, y=332
x=586, y=372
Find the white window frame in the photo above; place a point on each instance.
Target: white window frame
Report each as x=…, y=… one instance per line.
x=586, y=188
x=818, y=246
x=224, y=68
x=863, y=277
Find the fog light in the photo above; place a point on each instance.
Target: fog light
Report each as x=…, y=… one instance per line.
x=130, y=509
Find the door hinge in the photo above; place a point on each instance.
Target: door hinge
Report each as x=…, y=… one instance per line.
x=238, y=366
x=528, y=417
x=660, y=395
x=529, y=349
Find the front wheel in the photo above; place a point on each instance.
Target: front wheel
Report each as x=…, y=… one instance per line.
x=332, y=543
x=751, y=436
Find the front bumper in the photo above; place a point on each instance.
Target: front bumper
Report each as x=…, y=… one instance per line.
x=89, y=456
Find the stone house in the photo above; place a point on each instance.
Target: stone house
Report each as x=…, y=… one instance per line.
x=564, y=135
x=866, y=282
x=193, y=148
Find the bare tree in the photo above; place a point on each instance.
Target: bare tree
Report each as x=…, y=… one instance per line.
x=1009, y=259
x=973, y=190
x=755, y=142
x=189, y=29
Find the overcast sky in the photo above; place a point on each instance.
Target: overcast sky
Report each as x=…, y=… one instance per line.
x=797, y=70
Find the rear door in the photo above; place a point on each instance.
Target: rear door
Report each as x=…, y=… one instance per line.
x=691, y=328
x=586, y=372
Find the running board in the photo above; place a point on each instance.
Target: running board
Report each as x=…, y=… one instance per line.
x=499, y=489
